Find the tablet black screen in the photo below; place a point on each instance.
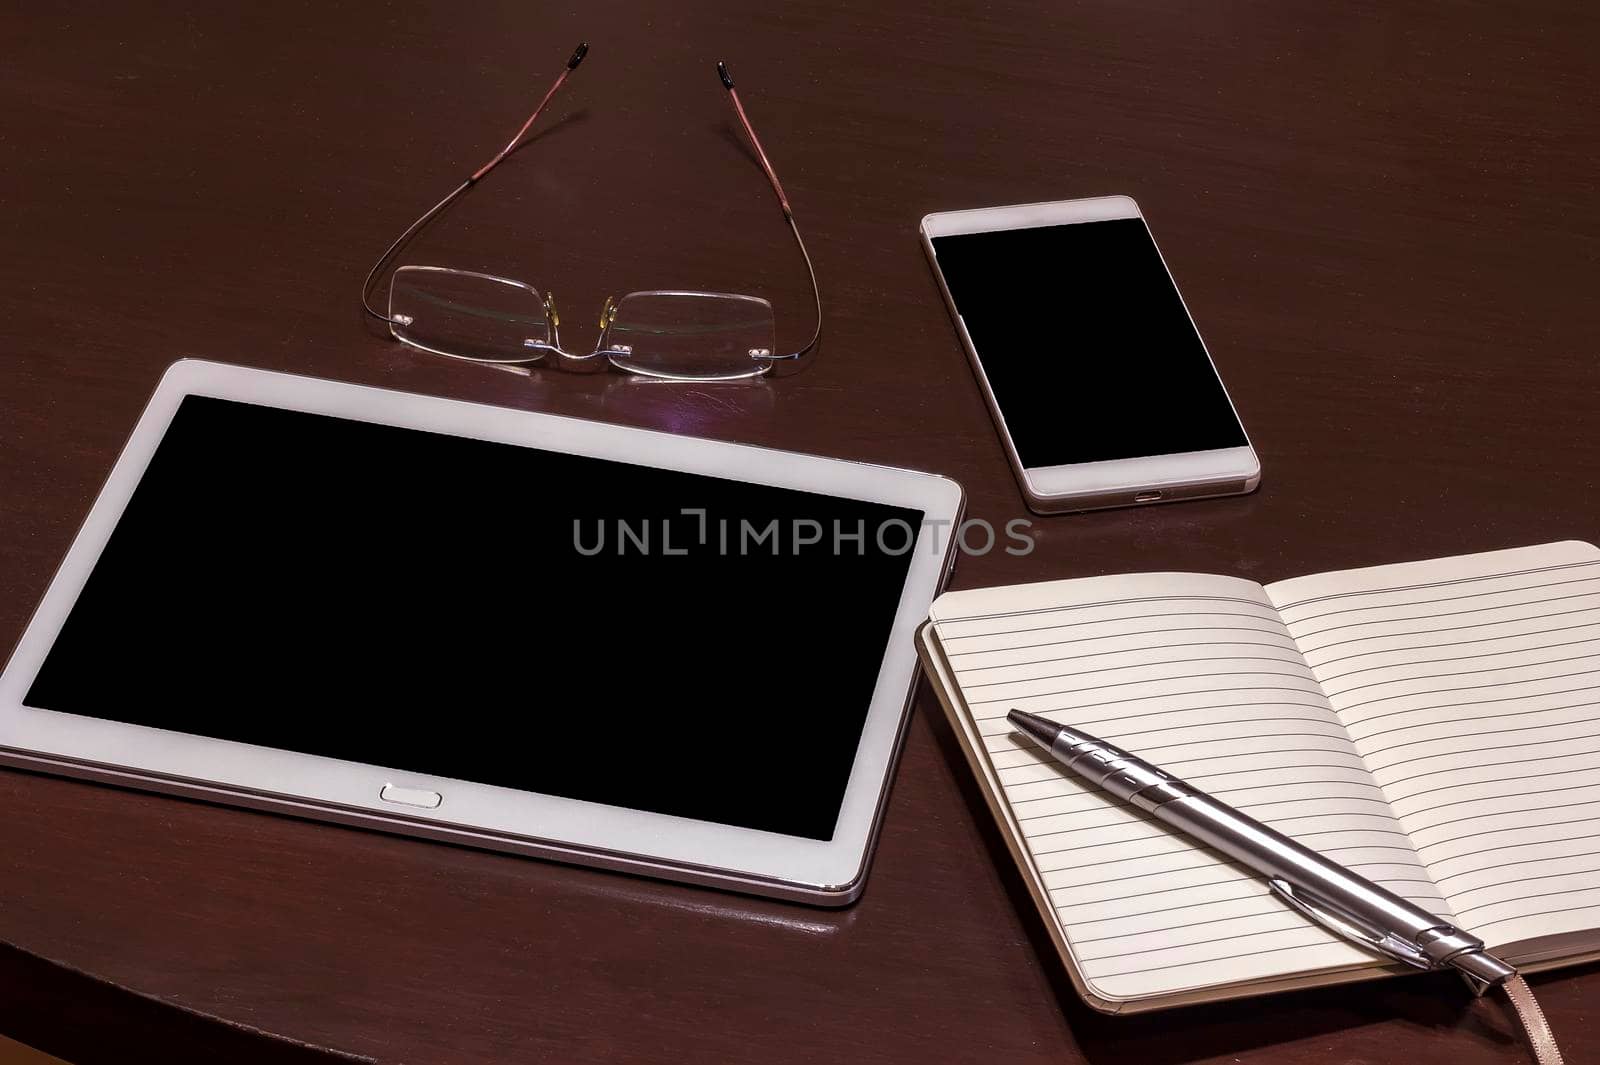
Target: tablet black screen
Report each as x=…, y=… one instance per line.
x=491, y=613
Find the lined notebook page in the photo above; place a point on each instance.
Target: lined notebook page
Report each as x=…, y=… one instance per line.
x=1471, y=687
x=1200, y=675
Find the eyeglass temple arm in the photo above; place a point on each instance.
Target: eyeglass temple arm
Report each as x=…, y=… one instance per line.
x=783, y=201
x=427, y=216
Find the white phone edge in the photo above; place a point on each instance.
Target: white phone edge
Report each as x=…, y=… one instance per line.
x=1092, y=485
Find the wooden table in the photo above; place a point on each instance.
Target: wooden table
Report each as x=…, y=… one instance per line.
x=1383, y=216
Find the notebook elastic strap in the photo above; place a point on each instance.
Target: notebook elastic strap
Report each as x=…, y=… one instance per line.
x=1540, y=1038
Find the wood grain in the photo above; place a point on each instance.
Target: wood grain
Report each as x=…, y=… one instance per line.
x=1383, y=216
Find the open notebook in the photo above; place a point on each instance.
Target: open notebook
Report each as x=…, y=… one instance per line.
x=1433, y=725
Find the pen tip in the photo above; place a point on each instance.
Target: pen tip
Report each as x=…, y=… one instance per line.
x=1040, y=730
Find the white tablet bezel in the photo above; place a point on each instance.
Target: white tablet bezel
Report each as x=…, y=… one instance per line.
x=1112, y=482
x=818, y=871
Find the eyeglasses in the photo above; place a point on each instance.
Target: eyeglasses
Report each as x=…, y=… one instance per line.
x=666, y=333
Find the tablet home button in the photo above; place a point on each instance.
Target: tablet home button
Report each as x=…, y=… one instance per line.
x=410, y=796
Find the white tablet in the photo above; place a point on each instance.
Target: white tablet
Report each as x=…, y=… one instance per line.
x=536, y=634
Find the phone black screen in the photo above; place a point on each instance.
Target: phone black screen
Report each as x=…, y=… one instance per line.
x=1086, y=343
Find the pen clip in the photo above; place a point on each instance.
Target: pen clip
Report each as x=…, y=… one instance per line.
x=1347, y=927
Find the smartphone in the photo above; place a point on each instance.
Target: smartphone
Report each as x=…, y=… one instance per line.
x=1103, y=391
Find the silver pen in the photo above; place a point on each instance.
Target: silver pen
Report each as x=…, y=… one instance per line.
x=1322, y=891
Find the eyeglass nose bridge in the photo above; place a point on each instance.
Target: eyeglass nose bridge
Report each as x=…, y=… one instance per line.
x=608, y=317
x=606, y=350
x=553, y=346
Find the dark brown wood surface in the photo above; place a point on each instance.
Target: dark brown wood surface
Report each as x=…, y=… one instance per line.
x=1383, y=216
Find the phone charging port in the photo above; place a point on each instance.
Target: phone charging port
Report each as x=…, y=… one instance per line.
x=1147, y=497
